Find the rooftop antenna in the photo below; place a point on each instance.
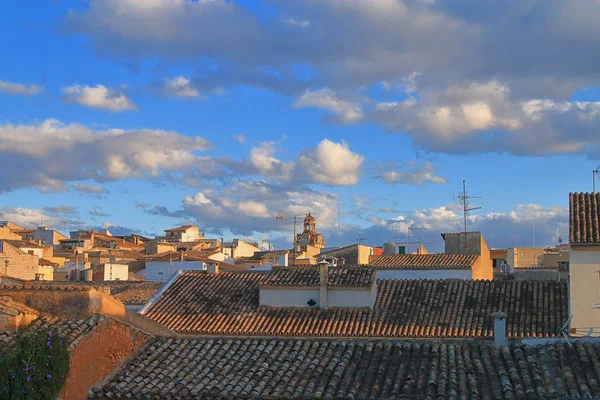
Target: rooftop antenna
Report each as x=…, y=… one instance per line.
x=412, y=228
x=360, y=240
x=41, y=219
x=594, y=173
x=339, y=221
x=294, y=218
x=466, y=209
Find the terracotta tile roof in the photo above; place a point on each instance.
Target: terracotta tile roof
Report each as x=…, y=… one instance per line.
x=47, y=263
x=424, y=261
x=584, y=218
x=10, y=307
x=174, y=255
x=70, y=329
x=200, y=303
x=127, y=292
x=259, y=255
x=309, y=276
x=355, y=369
x=179, y=228
x=21, y=243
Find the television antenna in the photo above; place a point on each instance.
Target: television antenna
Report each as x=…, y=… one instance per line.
x=466, y=207
x=280, y=218
x=594, y=173
x=411, y=229
x=360, y=240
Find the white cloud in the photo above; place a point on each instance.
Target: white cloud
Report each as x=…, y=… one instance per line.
x=455, y=59
x=19, y=88
x=296, y=23
x=31, y=218
x=484, y=118
x=180, y=86
x=331, y=163
x=253, y=209
x=345, y=112
x=29, y=155
x=240, y=138
x=416, y=176
x=247, y=207
x=80, y=187
x=262, y=160
x=99, y=97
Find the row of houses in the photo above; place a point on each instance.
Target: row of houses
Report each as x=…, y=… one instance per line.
x=324, y=331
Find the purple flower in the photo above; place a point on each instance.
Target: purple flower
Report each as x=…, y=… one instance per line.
x=26, y=369
x=12, y=377
x=49, y=357
x=50, y=334
x=28, y=378
x=48, y=376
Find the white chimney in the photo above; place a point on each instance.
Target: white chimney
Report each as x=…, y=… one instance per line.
x=499, y=328
x=283, y=260
x=323, y=277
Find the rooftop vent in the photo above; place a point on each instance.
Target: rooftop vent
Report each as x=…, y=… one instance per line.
x=311, y=302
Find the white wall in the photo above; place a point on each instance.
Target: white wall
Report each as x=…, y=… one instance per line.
x=288, y=297
x=349, y=298
x=423, y=274
x=36, y=251
x=585, y=288
x=190, y=235
x=159, y=271
x=119, y=272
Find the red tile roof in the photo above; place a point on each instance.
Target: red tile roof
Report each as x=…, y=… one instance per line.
x=128, y=292
x=424, y=261
x=200, y=303
x=47, y=263
x=584, y=218
x=309, y=276
x=355, y=369
x=69, y=329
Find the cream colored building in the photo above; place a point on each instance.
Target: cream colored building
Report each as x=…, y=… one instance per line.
x=584, y=259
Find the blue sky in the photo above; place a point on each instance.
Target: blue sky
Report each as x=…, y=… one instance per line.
x=140, y=115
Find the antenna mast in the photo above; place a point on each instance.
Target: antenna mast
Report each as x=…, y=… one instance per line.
x=594, y=173
x=466, y=209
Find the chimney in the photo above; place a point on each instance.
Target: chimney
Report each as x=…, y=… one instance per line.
x=499, y=328
x=212, y=268
x=323, y=276
x=180, y=255
x=283, y=260
x=39, y=242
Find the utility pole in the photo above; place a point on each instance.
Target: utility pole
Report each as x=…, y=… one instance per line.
x=465, y=200
x=5, y=271
x=594, y=173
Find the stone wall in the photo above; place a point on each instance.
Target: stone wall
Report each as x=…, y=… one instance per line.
x=20, y=265
x=99, y=354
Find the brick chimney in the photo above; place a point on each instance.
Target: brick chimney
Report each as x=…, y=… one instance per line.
x=181, y=255
x=323, y=276
x=212, y=268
